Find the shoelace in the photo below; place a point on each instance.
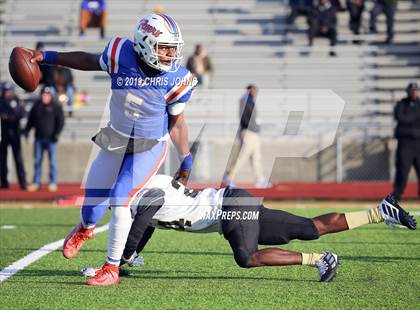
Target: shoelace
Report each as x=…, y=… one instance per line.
x=101, y=272
x=81, y=237
x=104, y=271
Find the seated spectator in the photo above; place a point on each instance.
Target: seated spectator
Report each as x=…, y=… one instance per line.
x=93, y=14
x=299, y=8
x=388, y=7
x=81, y=99
x=63, y=84
x=355, y=8
x=47, y=72
x=323, y=22
x=199, y=64
x=46, y=116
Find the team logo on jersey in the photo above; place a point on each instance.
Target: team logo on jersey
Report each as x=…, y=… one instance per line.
x=146, y=27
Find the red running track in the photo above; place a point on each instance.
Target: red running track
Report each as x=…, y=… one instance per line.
x=68, y=192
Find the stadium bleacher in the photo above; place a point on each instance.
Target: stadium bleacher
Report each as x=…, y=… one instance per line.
x=247, y=42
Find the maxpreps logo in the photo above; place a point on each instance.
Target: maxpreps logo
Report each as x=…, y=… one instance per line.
x=146, y=27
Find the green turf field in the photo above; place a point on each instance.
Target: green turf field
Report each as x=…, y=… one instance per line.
x=379, y=269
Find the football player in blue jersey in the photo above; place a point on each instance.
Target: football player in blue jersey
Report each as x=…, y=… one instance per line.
x=149, y=90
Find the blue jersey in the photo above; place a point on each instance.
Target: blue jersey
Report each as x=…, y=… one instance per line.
x=139, y=104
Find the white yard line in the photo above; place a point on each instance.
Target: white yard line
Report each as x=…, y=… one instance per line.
x=34, y=256
x=7, y=226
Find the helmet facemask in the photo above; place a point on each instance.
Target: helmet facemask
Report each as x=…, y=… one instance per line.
x=165, y=62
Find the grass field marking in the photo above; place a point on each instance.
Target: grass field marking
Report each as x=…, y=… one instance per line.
x=7, y=226
x=34, y=256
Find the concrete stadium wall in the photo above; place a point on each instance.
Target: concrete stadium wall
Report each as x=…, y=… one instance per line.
x=372, y=161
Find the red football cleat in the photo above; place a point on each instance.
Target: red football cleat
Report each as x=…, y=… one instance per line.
x=107, y=275
x=75, y=239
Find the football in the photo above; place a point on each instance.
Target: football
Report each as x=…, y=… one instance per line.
x=25, y=74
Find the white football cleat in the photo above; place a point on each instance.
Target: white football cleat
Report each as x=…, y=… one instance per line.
x=89, y=271
x=134, y=261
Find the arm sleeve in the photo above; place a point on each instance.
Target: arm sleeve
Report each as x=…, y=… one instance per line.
x=103, y=60
x=179, y=106
x=183, y=89
x=187, y=96
x=110, y=57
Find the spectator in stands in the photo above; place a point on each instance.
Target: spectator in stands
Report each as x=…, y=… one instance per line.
x=407, y=132
x=323, y=22
x=355, y=8
x=299, y=8
x=63, y=84
x=93, y=13
x=11, y=112
x=388, y=7
x=46, y=116
x=199, y=64
x=250, y=140
x=47, y=72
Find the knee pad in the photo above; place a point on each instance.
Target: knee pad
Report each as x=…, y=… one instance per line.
x=242, y=258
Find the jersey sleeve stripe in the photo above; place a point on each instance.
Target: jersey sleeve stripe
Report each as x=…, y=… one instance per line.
x=175, y=93
x=117, y=56
x=181, y=90
x=113, y=54
x=176, y=86
x=181, y=93
x=108, y=53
